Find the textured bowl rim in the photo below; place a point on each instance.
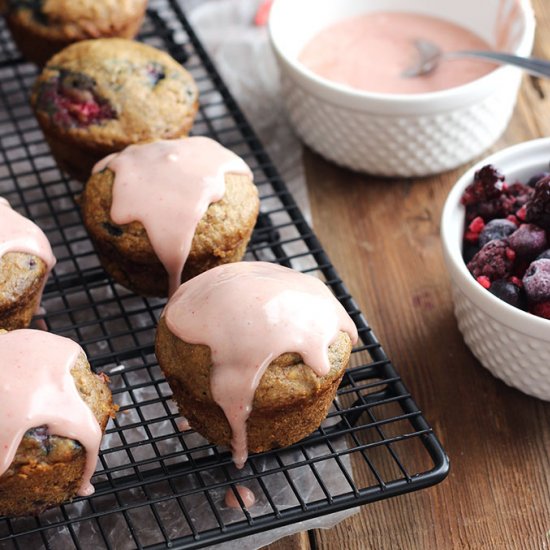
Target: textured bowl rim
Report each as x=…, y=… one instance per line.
x=517, y=157
x=449, y=95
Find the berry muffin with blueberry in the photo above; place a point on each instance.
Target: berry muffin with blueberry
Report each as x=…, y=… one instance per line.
x=162, y=212
x=53, y=411
x=96, y=97
x=41, y=28
x=26, y=260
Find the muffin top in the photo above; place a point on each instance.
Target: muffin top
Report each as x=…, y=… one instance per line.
x=249, y=314
x=73, y=19
x=62, y=395
x=167, y=186
x=112, y=92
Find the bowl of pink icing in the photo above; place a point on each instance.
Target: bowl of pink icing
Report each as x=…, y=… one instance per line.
x=341, y=67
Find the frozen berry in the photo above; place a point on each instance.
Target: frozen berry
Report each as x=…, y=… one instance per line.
x=528, y=241
x=498, y=228
x=520, y=194
x=536, y=178
x=544, y=255
x=487, y=185
x=507, y=292
x=492, y=261
x=537, y=209
x=541, y=309
x=536, y=281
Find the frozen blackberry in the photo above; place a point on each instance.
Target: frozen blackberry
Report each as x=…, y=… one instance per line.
x=537, y=209
x=536, y=281
x=498, y=228
x=508, y=292
x=528, y=241
x=492, y=261
x=487, y=185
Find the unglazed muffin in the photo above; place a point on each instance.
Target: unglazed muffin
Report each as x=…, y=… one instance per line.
x=181, y=207
x=26, y=260
x=98, y=96
x=254, y=354
x=41, y=28
x=48, y=469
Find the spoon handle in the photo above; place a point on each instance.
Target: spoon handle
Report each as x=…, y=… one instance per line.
x=532, y=65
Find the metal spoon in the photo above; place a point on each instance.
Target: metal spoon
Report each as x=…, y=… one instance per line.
x=429, y=56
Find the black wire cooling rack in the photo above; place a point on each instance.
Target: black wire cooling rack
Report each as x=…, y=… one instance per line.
x=157, y=487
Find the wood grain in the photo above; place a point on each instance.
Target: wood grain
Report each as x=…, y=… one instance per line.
x=383, y=237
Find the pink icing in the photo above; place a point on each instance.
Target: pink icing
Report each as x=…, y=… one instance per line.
x=37, y=389
x=249, y=313
x=369, y=52
x=167, y=186
x=19, y=234
x=247, y=496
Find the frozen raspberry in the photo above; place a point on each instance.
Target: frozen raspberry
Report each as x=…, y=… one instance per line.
x=541, y=309
x=537, y=209
x=536, y=281
x=508, y=292
x=487, y=185
x=492, y=261
x=498, y=228
x=528, y=241
x=536, y=178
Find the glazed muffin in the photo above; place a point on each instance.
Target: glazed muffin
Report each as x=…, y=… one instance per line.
x=42, y=467
x=254, y=354
x=26, y=260
x=161, y=213
x=41, y=28
x=98, y=96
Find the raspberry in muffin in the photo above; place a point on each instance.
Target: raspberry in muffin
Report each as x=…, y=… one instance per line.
x=162, y=212
x=96, y=97
x=41, y=28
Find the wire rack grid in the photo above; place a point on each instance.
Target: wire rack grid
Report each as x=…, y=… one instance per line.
x=156, y=486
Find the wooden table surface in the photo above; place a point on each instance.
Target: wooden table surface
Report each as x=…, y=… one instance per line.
x=383, y=237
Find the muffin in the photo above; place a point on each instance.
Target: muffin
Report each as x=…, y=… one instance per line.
x=26, y=260
x=162, y=212
x=41, y=28
x=254, y=354
x=98, y=96
x=53, y=411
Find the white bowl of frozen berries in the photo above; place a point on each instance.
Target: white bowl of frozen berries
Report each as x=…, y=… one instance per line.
x=495, y=231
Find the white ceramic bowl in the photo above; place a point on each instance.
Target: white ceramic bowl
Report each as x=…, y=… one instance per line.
x=398, y=134
x=513, y=344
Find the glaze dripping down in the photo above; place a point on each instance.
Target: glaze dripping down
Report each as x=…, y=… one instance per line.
x=19, y=234
x=167, y=186
x=248, y=314
x=37, y=389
